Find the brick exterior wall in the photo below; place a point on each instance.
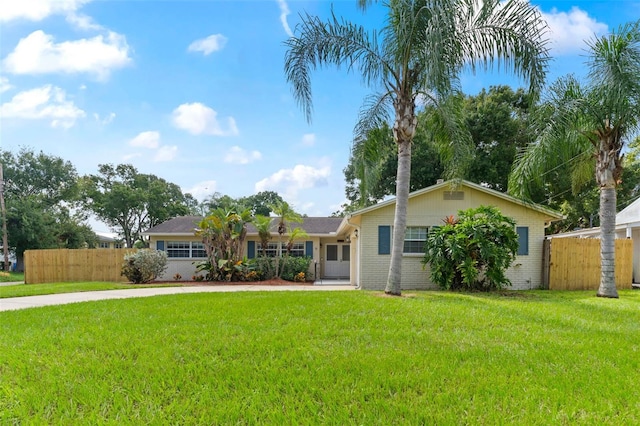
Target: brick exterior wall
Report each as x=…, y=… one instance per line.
x=429, y=209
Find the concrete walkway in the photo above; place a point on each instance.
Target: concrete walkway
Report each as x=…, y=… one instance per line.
x=14, y=303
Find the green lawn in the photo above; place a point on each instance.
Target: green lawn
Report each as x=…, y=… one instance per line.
x=7, y=277
x=56, y=288
x=325, y=358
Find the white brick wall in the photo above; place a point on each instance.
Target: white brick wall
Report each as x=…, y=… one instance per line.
x=429, y=210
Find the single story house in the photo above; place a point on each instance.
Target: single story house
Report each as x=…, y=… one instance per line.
x=357, y=247
x=108, y=241
x=627, y=226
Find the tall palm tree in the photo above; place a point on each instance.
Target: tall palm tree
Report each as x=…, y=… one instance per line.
x=590, y=123
x=417, y=59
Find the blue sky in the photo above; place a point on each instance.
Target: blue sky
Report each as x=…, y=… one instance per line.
x=194, y=91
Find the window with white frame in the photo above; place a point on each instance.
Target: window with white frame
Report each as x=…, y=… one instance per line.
x=104, y=244
x=297, y=250
x=185, y=249
x=414, y=239
x=117, y=245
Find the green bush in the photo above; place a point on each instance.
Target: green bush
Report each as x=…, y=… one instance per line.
x=291, y=268
x=144, y=265
x=294, y=266
x=473, y=251
x=228, y=270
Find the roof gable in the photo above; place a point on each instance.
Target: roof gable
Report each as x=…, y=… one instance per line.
x=629, y=214
x=463, y=183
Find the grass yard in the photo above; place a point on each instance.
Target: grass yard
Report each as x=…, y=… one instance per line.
x=57, y=288
x=7, y=277
x=325, y=358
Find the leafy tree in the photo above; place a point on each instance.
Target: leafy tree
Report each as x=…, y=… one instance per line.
x=40, y=191
x=586, y=121
x=261, y=202
x=473, y=251
x=131, y=202
x=421, y=53
x=498, y=122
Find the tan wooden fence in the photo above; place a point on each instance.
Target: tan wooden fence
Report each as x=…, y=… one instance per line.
x=574, y=264
x=64, y=265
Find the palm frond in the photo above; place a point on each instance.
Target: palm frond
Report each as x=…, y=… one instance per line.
x=335, y=42
x=373, y=115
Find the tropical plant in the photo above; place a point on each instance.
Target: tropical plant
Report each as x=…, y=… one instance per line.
x=263, y=226
x=417, y=59
x=473, y=251
x=223, y=234
x=144, y=265
x=285, y=215
x=583, y=122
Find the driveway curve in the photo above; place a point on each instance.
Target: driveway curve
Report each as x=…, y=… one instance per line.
x=15, y=303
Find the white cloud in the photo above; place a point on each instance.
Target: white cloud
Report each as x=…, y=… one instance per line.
x=202, y=190
x=37, y=10
x=4, y=84
x=83, y=22
x=309, y=139
x=290, y=181
x=284, y=12
x=149, y=139
x=131, y=156
x=568, y=31
x=199, y=119
x=38, y=54
x=46, y=102
x=237, y=155
x=208, y=45
x=166, y=153
x=106, y=120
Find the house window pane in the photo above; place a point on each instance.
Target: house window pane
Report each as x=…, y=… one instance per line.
x=178, y=249
x=104, y=244
x=346, y=253
x=332, y=252
x=414, y=239
x=297, y=250
x=197, y=250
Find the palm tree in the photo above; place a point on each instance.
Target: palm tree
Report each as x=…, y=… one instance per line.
x=590, y=123
x=417, y=59
x=263, y=226
x=285, y=214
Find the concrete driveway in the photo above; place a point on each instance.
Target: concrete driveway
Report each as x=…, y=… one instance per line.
x=14, y=303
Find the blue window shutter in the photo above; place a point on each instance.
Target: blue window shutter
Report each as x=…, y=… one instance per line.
x=251, y=249
x=308, y=248
x=384, y=239
x=523, y=240
x=160, y=245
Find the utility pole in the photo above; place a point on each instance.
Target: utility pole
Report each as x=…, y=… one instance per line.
x=5, y=243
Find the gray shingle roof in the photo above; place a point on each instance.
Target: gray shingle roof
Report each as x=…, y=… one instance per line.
x=187, y=224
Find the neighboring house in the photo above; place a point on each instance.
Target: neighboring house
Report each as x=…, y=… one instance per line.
x=108, y=241
x=627, y=226
x=371, y=230
x=177, y=237
x=358, y=246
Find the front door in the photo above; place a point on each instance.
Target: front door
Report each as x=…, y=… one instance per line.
x=336, y=260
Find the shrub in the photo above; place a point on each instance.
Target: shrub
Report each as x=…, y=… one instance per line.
x=295, y=266
x=228, y=270
x=144, y=265
x=472, y=252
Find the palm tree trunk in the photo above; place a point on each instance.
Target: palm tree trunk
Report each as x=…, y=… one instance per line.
x=607, y=171
x=404, y=129
x=394, y=281
x=607, y=242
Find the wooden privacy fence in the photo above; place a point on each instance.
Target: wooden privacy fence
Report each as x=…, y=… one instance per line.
x=65, y=265
x=574, y=263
